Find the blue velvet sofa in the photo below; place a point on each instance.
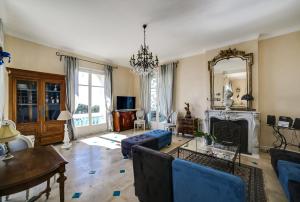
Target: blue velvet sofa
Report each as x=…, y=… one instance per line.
x=160, y=178
x=287, y=167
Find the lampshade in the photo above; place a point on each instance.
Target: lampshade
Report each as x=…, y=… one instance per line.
x=8, y=133
x=64, y=116
x=247, y=97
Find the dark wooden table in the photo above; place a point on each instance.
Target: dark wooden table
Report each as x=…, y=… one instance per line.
x=32, y=167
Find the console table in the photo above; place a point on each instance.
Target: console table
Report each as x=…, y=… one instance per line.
x=30, y=168
x=123, y=120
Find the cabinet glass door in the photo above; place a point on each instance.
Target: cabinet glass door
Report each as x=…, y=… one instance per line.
x=52, y=100
x=27, y=106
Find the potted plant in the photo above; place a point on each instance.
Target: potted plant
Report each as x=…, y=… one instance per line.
x=209, y=138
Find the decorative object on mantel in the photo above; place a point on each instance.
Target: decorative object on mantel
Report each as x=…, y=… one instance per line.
x=227, y=96
x=7, y=134
x=236, y=66
x=65, y=116
x=3, y=55
x=188, y=112
x=144, y=63
x=247, y=97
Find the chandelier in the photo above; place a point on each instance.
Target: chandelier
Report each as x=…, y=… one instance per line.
x=144, y=63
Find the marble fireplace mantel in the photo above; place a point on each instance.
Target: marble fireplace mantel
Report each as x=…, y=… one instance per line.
x=252, y=117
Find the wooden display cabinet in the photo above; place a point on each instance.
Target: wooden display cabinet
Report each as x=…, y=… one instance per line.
x=35, y=102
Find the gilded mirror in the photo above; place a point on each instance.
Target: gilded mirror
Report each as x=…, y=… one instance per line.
x=231, y=80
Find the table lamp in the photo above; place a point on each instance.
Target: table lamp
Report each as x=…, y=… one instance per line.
x=65, y=116
x=7, y=134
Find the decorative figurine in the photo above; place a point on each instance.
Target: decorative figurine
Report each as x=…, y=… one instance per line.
x=187, y=109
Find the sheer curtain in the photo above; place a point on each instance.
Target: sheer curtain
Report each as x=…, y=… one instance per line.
x=166, y=88
x=2, y=77
x=71, y=65
x=145, y=95
x=108, y=96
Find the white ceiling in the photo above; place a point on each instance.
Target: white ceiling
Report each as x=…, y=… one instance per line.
x=112, y=29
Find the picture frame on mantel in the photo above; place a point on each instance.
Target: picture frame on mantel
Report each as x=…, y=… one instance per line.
x=221, y=65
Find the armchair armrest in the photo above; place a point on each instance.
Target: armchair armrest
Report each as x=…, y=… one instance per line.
x=279, y=154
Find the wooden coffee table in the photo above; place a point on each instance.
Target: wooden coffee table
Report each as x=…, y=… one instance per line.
x=32, y=167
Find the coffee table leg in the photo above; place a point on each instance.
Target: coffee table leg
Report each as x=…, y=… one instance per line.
x=61, y=180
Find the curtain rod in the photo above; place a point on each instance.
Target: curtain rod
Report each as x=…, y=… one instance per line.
x=62, y=55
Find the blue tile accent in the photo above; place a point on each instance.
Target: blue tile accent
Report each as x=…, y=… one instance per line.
x=76, y=195
x=116, y=193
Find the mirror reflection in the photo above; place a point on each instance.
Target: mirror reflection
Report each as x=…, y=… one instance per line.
x=230, y=82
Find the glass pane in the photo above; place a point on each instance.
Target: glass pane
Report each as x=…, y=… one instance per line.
x=52, y=101
x=97, y=80
x=27, y=109
x=98, y=108
x=81, y=116
x=83, y=78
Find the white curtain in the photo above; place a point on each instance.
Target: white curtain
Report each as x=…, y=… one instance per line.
x=108, y=96
x=145, y=94
x=71, y=65
x=2, y=77
x=166, y=88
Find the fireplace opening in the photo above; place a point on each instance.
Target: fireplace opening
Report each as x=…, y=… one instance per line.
x=231, y=131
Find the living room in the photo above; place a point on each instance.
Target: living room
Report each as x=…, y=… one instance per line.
x=206, y=109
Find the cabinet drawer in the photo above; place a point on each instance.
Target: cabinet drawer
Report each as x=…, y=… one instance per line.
x=44, y=140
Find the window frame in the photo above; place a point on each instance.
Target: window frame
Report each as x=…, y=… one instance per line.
x=90, y=86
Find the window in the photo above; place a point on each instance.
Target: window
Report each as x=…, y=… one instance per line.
x=91, y=108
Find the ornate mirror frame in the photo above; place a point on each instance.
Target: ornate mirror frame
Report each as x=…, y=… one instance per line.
x=225, y=55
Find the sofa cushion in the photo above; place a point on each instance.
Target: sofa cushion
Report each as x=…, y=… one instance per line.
x=193, y=182
x=288, y=171
x=152, y=175
x=164, y=137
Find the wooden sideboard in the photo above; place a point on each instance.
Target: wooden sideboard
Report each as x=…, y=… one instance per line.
x=187, y=125
x=123, y=120
x=35, y=101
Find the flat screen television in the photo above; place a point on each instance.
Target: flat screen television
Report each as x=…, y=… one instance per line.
x=125, y=102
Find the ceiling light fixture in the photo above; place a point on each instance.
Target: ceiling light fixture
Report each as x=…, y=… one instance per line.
x=144, y=63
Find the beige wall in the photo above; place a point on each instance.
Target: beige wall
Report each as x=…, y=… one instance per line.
x=279, y=65
x=276, y=79
x=192, y=85
x=192, y=80
x=32, y=56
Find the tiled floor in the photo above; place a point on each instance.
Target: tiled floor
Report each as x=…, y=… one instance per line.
x=113, y=173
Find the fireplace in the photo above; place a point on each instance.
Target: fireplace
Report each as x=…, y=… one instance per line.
x=247, y=123
x=235, y=132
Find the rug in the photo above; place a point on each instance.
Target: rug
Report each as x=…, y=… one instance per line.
x=252, y=176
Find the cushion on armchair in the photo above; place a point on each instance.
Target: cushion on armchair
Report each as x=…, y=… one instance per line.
x=152, y=175
x=288, y=171
x=193, y=182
